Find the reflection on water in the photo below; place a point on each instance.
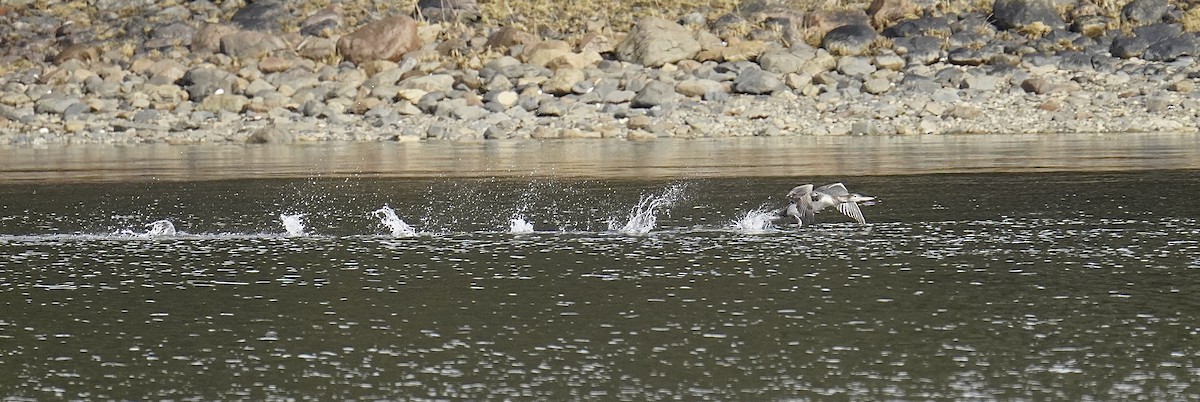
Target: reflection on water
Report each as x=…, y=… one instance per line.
x=785, y=156
x=1068, y=286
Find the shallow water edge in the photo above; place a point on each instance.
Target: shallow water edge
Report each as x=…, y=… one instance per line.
x=733, y=157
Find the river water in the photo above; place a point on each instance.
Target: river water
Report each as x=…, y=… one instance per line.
x=1029, y=269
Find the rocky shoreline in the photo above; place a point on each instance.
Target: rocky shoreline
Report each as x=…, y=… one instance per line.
x=268, y=71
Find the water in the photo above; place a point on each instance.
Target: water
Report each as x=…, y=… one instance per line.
x=387, y=218
x=1068, y=286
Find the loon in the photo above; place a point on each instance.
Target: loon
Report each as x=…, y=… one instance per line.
x=806, y=201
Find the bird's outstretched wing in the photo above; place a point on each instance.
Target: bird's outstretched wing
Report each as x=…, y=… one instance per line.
x=834, y=189
x=851, y=209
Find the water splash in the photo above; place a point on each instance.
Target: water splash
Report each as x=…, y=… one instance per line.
x=519, y=225
x=758, y=220
x=644, y=215
x=294, y=224
x=387, y=217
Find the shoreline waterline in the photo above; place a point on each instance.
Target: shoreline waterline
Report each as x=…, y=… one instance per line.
x=664, y=159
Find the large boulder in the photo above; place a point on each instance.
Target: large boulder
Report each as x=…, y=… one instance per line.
x=387, y=39
x=654, y=42
x=1021, y=14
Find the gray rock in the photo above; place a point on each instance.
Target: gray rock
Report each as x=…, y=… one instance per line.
x=429, y=102
x=55, y=104
x=981, y=82
x=849, y=40
x=1142, y=12
x=553, y=107
x=261, y=15
x=851, y=66
x=75, y=111
x=781, y=62
x=468, y=112
x=202, y=82
x=655, y=93
x=757, y=82
x=945, y=95
x=323, y=22
x=920, y=50
x=926, y=25
x=966, y=57
x=1016, y=14
x=429, y=83
x=171, y=34
x=268, y=135
x=224, y=102
x=876, y=86
x=654, y=42
x=889, y=61
x=1129, y=46
x=146, y=116
x=1172, y=48
x=24, y=115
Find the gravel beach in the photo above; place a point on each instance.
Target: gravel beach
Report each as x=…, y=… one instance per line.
x=129, y=72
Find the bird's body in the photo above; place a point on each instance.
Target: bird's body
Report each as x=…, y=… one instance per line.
x=806, y=201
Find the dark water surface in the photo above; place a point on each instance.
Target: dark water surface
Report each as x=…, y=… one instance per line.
x=1026, y=286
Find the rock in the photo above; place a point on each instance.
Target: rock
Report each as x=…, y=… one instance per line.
x=654, y=42
x=224, y=102
x=429, y=83
x=146, y=116
x=208, y=38
x=1039, y=86
x=553, y=108
x=854, y=66
x=640, y=135
x=921, y=50
x=322, y=23
x=1129, y=46
x=170, y=35
x=981, y=82
x=781, y=61
x=819, y=23
x=698, y=87
x=757, y=82
x=736, y=50
x=387, y=39
x=166, y=71
x=1171, y=49
x=1021, y=14
x=889, y=61
x=1182, y=86
x=562, y=82
x=268, y=135
x=923, y=26
x=506, y=99
x=81, y=52
x=272, y=64
x=876, y=86
x=251, y=44
x=885, y=12
x=468, y=112
x=541, y=53
x=655, y=93
x=315, y=48
x=260, y=15
x=437, y=11
x=1142, y=12
x=966, y=57
x=507, y=37
x=1091, y=26
x=202, y=82
x=849, y=40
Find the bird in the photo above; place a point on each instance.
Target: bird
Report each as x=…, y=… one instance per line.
x=835, y=195
x=800, y=206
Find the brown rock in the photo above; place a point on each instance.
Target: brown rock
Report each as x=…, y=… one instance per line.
x=820, y=22
x=251, y=44
x=884, y=13
x=541, y=53
x=208, y=38
x=654, y=42
x=387, y=39
x=79, y=52
x=274, y=64
x=315, y=48
x=507, y=37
